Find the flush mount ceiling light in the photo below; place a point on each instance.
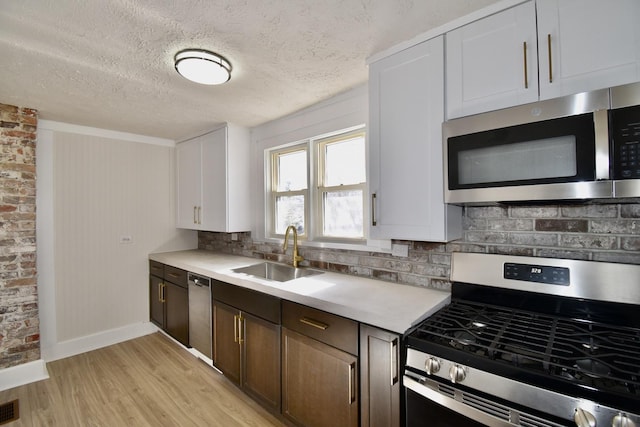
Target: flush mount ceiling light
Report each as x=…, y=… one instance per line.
x=202, y=66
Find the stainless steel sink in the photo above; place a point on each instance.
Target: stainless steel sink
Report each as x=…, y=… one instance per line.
x=276, y=272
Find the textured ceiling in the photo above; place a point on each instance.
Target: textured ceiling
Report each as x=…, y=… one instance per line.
x=109, y=64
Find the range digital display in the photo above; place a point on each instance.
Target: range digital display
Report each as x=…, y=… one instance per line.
x=537, y=273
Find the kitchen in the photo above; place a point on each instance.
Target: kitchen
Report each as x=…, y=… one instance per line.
x=89, y=195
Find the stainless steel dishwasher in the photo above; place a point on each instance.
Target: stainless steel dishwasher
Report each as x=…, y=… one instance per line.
x=200, y=313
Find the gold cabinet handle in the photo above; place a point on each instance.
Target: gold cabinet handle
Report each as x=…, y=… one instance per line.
x=195, y=221
x=526, y=71
x=240, y=327
x=161, y=291
x=352, y=381
x=393, y=357
x=550, y=63
x=235, y=328
x=314, y=323
x=374, y=196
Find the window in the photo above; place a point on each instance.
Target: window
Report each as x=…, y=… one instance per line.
x=319, y=187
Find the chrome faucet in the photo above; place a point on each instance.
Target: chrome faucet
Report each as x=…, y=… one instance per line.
x=296, y=258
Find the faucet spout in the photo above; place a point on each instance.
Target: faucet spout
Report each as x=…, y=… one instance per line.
x=296, y=258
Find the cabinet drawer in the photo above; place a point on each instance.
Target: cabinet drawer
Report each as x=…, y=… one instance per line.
x=156, y=269
x=262, y=305
x=175, y=275
x=338, y=332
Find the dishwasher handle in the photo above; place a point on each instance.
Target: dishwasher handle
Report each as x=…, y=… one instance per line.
x=201, y=281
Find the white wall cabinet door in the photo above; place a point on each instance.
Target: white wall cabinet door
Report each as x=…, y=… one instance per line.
x=587, y=44
x=492, y=62
x=189, y=182
x=406, y=93
x=213, y=181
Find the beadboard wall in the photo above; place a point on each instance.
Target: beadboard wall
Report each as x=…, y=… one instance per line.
x=599, y=232
x=107, y=202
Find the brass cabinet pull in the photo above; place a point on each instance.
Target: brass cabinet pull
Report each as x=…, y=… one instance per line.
x=240, y=327
x=235, y=328
x=526, y=71
x=373, y=209
x=352, y=381
x=550, y=63
x=195, y=221
x=314, y=323
x=161, y=291
x=393, y=349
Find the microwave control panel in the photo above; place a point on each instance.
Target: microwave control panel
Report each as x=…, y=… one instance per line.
x=626, y=143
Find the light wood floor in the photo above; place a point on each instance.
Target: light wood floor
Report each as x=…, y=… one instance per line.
x=148, y=381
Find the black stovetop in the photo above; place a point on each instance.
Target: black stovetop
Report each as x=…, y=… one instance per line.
x=582, y=348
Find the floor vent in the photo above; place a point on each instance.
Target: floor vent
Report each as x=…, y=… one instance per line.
x=9, y=412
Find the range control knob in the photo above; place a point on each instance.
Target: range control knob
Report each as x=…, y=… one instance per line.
x=622, y=420
x=432, y=365
x=584, y=418
x=457, y=374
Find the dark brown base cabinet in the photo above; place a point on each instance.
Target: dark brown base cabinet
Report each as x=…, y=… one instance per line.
x=319, y=378
x=247, y=345
x=380, y=377
x=169, y=300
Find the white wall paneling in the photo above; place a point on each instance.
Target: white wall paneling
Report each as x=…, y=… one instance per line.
x=106, y=200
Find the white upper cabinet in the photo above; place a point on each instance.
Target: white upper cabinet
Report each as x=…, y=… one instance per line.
x=406, y=110
x=593, y=44
x=213, y=181
x=492, y=63
x=539, y=50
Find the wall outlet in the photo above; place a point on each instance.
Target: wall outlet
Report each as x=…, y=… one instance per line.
x=400, y=250
x=234, y=236
x=125, y=240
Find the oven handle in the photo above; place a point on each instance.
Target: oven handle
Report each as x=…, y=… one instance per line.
x=453, y=404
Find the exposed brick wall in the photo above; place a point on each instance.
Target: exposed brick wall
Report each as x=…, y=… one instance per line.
x=19, y=325
x=600, y=232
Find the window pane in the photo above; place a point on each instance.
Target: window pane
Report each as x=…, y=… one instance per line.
x=292, y=171
x=289, y=211
x=345, y=162
x=342, y=211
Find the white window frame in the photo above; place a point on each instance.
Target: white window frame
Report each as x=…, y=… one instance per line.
x=313, y=197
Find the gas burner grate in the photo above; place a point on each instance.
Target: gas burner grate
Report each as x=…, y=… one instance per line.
x=584, y=352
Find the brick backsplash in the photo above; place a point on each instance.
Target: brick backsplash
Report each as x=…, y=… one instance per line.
x=600, y=232
x=19, y=324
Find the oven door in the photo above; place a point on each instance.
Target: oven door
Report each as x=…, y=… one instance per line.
x=433, y=403
x=422, y=411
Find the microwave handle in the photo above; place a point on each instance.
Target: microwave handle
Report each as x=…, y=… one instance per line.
x=601, y=127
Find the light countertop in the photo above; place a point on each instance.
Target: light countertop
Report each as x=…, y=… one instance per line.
x=389, y=306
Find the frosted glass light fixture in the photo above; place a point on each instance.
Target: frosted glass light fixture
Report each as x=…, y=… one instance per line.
x=202, y=66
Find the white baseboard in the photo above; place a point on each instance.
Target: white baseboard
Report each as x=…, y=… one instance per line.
x=95, y=341
x=23, y=374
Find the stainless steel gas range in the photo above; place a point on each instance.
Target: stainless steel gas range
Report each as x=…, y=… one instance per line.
x=533, y=342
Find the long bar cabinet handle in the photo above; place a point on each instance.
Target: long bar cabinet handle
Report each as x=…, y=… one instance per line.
x=393, y=349
x=235, y=328
x=374, y=196
x=550, y=63
x=526, y=69
x=352, y=381
x=199, y=215
x=314, y=323
x=240, y=328
x=195, y=221
x=161, y=291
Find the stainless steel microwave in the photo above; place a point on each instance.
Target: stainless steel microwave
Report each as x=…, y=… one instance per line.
x=579, y=147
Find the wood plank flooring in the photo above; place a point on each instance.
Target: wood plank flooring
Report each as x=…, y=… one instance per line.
x=148, y=381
